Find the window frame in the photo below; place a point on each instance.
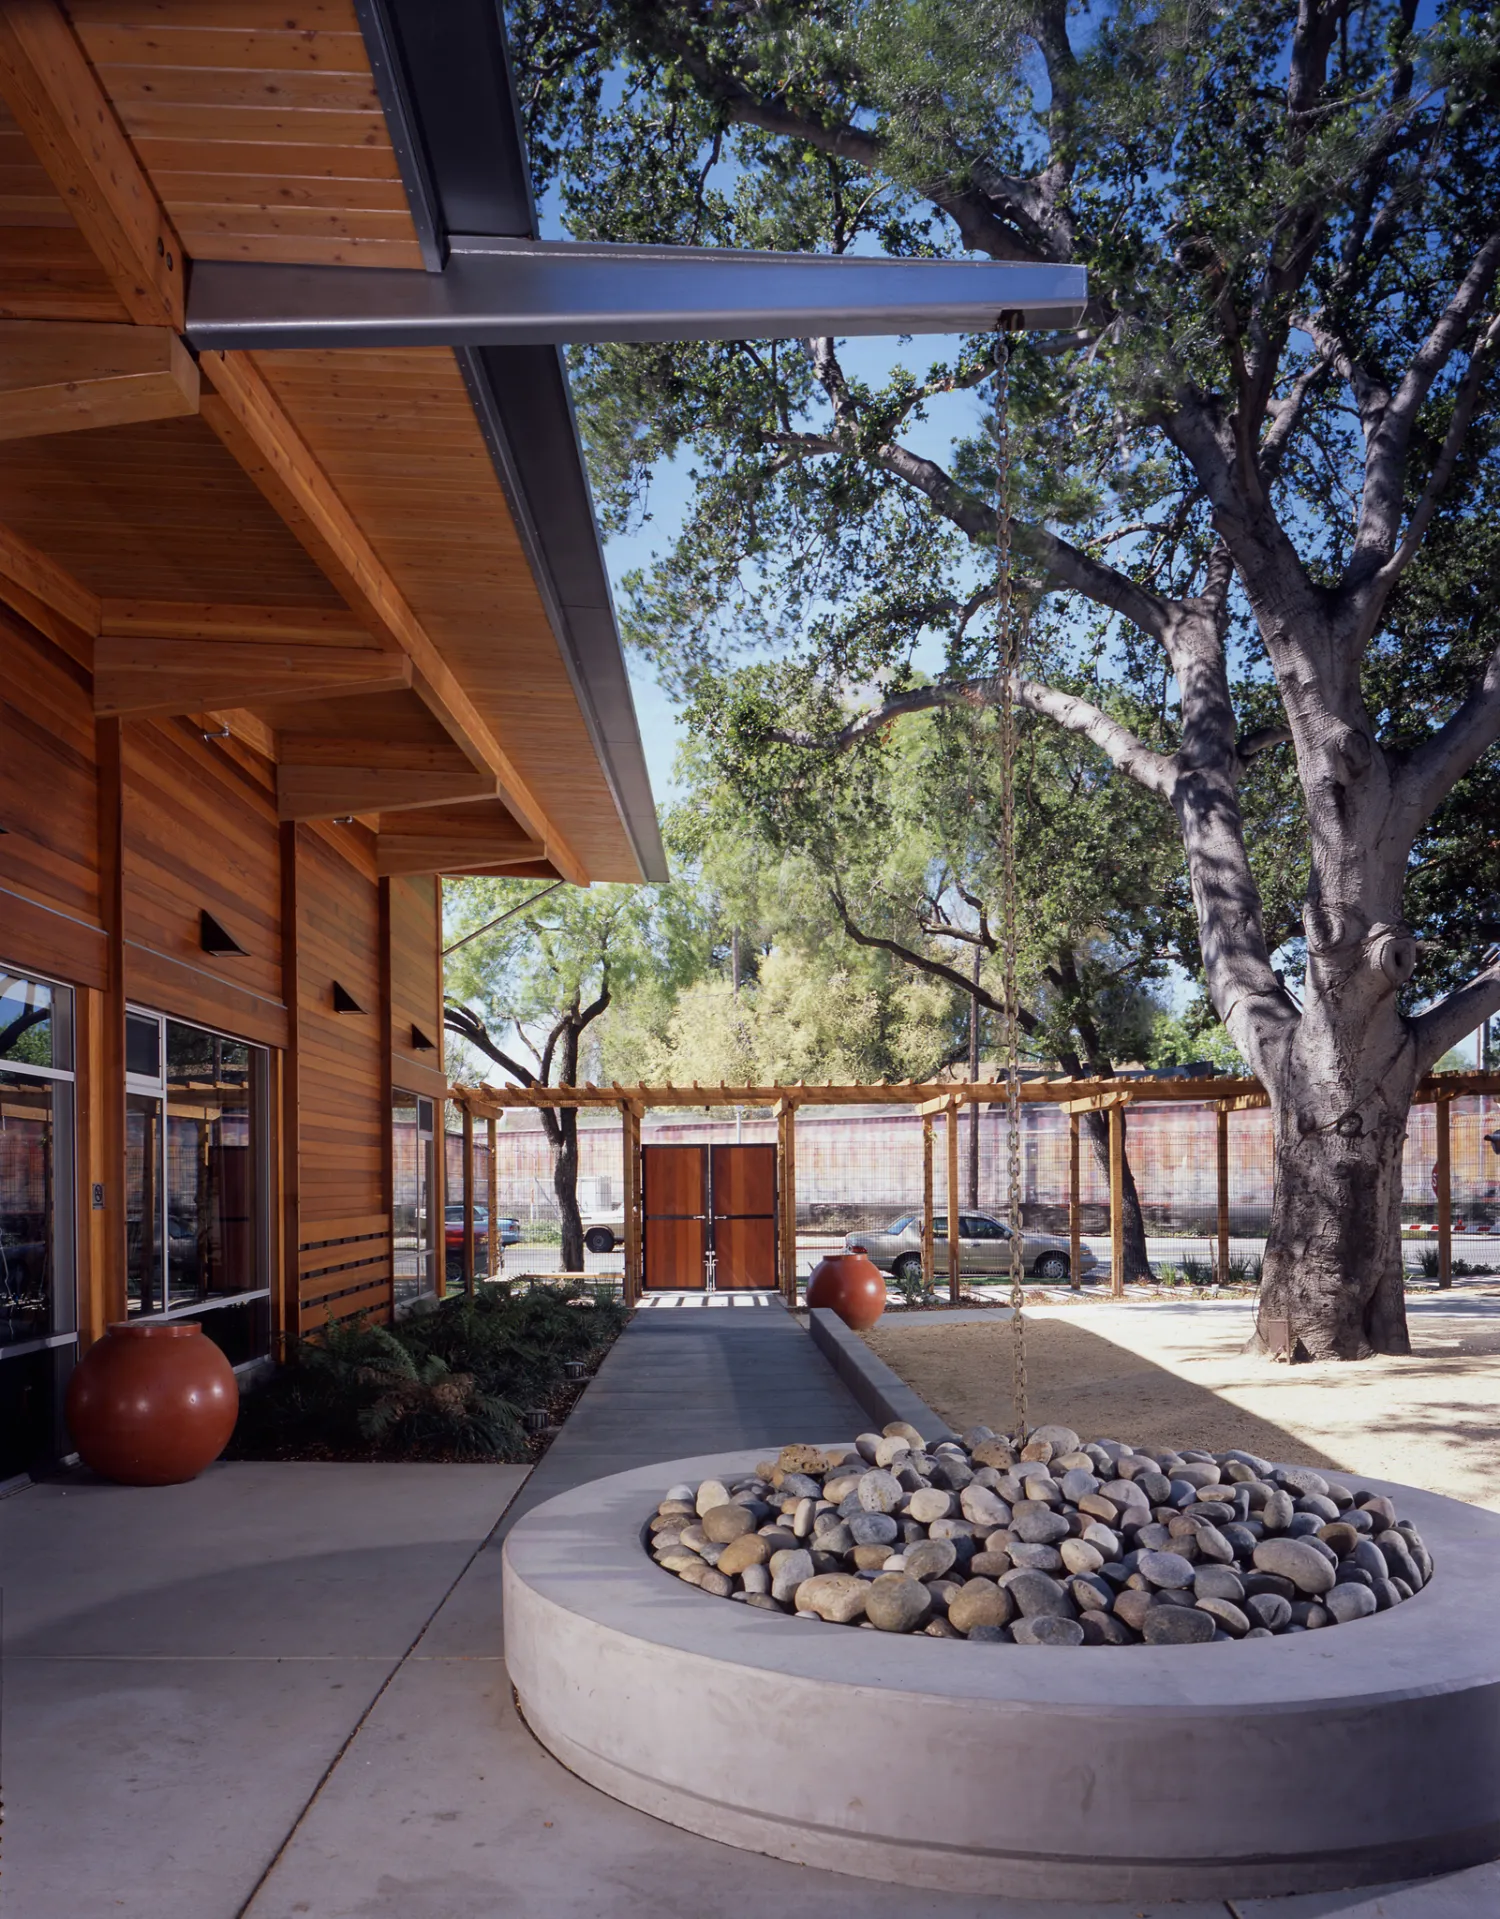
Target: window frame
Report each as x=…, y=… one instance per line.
x=64, y=1224
x=260, y=1133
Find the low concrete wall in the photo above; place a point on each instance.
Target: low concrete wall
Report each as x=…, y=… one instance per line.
x=1357, y=1755
x=884, y=1395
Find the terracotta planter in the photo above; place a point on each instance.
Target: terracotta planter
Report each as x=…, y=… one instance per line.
x=152, y=1404
x=851, y=1285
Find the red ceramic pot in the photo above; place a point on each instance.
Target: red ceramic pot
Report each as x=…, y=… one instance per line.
x=152, y=1404
x=851, y=1285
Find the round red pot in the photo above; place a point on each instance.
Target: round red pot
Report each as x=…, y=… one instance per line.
x=851, y=1285
x=152, y=1404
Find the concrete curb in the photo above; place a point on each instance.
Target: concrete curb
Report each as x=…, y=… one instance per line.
x=1312, y=1763
x=884, y=1395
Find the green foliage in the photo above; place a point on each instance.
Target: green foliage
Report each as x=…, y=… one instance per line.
x=445, y=1385
x=1248, y=249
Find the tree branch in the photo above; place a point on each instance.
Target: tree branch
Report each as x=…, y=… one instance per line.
x=1155, y=771
x=468, y=1025
x=924, y=963
x=1390, y=441
x=1456, y=1015
x=1433, y=767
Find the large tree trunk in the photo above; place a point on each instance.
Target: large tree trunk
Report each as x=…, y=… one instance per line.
x=1332, y=1285
x=565, y=1185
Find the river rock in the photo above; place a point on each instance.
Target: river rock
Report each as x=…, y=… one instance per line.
x=1033, y=1592
x=1132, y=1607
x=1226, y=1615
x=880, y=1491
x=1177, y=1626
x=929, y=1503
x=1040, y=1528
x=930, y=1558
x=1166, y=1569
x=1211, y=1581
x=748, y=1550
x=788, y=1571
x=1047, y=1629
x=1278, y=1512
x=1080, y=1555
x=983, y=1507
x=729, y=1521
x=872, y=1529
x=895, y=1602
x=1349, y=1602
x=1269, y=1610
x=990, y=1565
x=1299, y=1480
x=1104, y=1629
x=836, y=1597
x=980, y=1602
x=1296, y=1560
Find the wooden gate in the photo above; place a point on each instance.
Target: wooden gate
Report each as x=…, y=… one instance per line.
x=701, y=1200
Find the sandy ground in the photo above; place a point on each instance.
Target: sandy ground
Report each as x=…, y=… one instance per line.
x=1167, y=1374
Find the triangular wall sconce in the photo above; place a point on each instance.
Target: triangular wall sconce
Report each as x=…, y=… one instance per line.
x=217, y=939
x=420, y=1042
x=344, y=1001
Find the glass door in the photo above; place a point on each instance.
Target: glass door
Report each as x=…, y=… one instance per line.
x=412, y=1159
x=38, y=1291
x=197, y=1158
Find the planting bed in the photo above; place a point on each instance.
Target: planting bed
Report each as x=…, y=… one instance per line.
x=1057, y=1542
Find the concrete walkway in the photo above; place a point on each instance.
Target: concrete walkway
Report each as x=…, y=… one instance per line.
x=279, y=1693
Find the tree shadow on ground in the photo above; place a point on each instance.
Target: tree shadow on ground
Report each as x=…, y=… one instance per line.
x=1077, y=1378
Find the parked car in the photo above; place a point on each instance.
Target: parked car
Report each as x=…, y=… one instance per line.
x=603, y=1231
x=453, y=1226
x=983, y=1247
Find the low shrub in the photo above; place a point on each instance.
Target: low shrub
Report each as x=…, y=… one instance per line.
x=446, y=1385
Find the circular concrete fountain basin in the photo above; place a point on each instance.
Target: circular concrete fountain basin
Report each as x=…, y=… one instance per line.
x=1355, y=1755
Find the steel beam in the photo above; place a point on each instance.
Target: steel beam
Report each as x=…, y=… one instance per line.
x=506, y=292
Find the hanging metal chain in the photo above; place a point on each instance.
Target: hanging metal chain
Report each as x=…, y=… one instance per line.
x=1010, y=652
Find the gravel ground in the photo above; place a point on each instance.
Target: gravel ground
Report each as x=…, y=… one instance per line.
x=1163, y=1374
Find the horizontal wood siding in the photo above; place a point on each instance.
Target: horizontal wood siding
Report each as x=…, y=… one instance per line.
x=48, y=789
x=201, y=835
x=344, y=1209
x=416, y=985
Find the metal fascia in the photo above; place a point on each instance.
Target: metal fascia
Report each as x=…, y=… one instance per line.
x=510, y=293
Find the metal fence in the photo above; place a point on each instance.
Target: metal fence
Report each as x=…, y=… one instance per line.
x=860, y=1169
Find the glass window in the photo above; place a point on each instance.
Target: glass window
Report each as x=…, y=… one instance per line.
x=35, y=1023
x=411, y=1196
x=38, y=1294
x=36, y=1280
x=940, y=1225
x=197, y=1180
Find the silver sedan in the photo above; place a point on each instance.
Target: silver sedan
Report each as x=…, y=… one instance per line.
x=983, y=1247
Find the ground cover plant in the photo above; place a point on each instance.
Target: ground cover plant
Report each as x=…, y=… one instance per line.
x=452, y=1384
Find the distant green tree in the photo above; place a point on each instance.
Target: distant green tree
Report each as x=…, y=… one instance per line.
x=527, y=994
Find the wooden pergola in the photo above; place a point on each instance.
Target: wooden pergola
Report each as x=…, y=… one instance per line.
x=1074, y=1096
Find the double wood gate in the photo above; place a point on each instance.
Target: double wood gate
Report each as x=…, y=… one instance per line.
x=709, y=1211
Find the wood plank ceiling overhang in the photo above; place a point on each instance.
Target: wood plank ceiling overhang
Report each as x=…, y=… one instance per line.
x=331, y=552
x=359, y=521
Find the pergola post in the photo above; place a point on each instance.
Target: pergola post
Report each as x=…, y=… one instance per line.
x=630, y=1118
x=955, y=1274
x=1075, y=1225
x=929, y=1262
x=786, y=1190
x=1117, y=1201
x=1443, y=1179
x=495, y=1258
x=1221, y=1134
x=468, y=1255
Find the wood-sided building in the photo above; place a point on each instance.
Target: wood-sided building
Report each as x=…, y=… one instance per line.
x=285, y=636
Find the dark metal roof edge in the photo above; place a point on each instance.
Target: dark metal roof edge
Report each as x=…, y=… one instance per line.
x=557, y=527
x=595, y=663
